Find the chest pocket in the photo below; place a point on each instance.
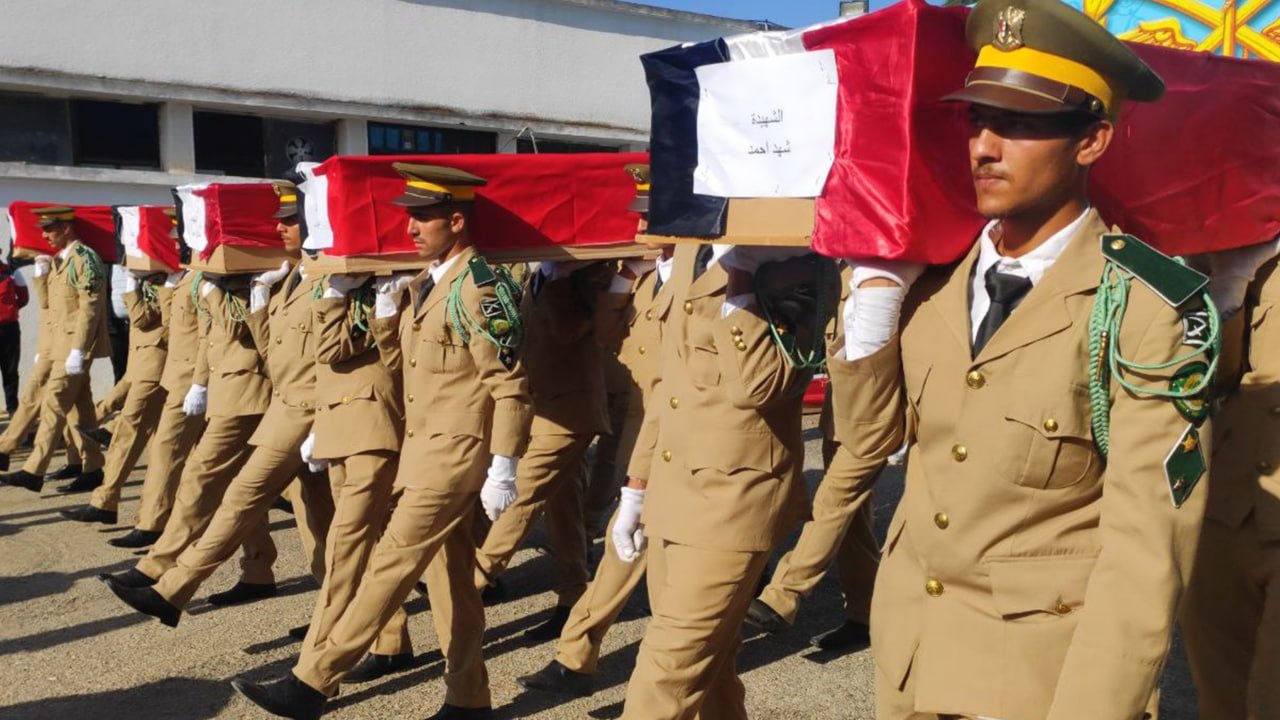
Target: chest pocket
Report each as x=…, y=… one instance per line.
x=704, y=365
x=442, y=352
x=1055, y=428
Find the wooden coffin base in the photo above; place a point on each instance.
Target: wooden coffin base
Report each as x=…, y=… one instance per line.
x=324, y=264
x=147, y=264
x=767, y=222
x=235, y=259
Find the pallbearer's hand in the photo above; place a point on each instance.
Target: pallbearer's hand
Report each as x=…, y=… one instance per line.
x=343, y=284
x=627, y=532
x=75, y=362
x=196, y=401
x=389, y=289
x=499, y=491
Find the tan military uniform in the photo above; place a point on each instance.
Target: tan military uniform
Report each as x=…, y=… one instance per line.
x=1024, y=577
x=148, y=348
x=175, y=432
x=725, y=484
x=462, y=404
x=567, y=380
x=842, y=527
x=79, y=310
x=283, y=334
x=229, y=365
x=358, y=427
x=1231, y=617
x=115, y=400
x=628, y=324
x=37, y=377
x=604, y=475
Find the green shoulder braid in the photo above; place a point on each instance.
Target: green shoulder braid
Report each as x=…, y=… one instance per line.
x=499, y=321
x=90, y=272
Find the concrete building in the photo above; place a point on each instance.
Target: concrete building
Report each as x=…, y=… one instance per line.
x=117, y=102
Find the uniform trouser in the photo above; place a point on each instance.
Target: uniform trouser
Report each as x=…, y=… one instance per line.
x=67, y=398
x=898, y=703
x=137, y=422
x=604, y=478
x=598, y=608
x=113, y=402
x=842, y=529
x=10, y=351
x=21, y=422
x=264, y=477
x=176, y=434
x=429, y=531
x=687, y=666
x=221, y=452
x=548, y=478
x=361, y=486
x=1231, y=623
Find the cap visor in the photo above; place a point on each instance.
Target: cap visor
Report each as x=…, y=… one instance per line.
x=408, y=200
x=1007, y=97
x=286, y=212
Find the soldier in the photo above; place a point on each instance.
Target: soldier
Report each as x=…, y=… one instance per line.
x=281, y=327
x=1034, y=565
x=725, y=482
x=176, y=431
x=357, y=433
x=628, y=324
x=1229, y=617
x=28, y=411
x=143, y=401
x=841, y=528
x=457, y=346
x=77, y=290
x=567, y=380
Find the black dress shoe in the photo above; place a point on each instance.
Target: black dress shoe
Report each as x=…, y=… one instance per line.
x=300, y=633
x=551, y=628
x=848, y=636
x=24, y=480
x=4, y=462
x=282, y=505
x=765, y=617
x=135, y=539
x=90, y=514
x=559, y=680
x=241, y=593
x=287, y=697
x=374, y=667
x=102, y=436
x=453, y=712
x=66, y=472
x=85, y=483
x=131, y=578
x=494, y=592
x=146, y=601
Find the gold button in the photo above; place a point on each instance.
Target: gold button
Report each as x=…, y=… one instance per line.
x=975, y=379
x=210, y=343
x=666, y=456
x=640, y=350
x=934, y=588
x=1117, y=244
x=742, y=347
x=648, y=314
x=1062, y=608
x=410, y=398
x=1051, y=425
x=736, y=330
x=277, y=393
x=304, y=403
x=675, y=403
x=688, y=307
x=413, y=362
x=959, y=453
x=346, y=399
x=417, y=326
x=942, y=521
x=409, y=433
x=279, y=340
x=1264, y=467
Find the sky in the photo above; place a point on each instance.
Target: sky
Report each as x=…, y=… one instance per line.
x=792, y=13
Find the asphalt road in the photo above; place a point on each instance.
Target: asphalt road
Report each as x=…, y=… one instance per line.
x=70, y=650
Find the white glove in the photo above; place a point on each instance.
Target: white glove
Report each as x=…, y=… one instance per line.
x=308, y=454
x=386, y=303
x=1231, y=271
x=172, y=279
x=75, y=362
x=206, y=287
x=871, y=314
x=261, y=284
x=627, y=532
x=499, y=491
x=749, y=258
x=42, y=265
x=130, y=283
x=340, y=285
x=196, y=401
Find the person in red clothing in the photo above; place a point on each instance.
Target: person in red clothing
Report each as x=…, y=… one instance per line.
x=13, y=297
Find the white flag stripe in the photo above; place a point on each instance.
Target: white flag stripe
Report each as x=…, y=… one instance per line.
x=130, y=229
x=193, y=217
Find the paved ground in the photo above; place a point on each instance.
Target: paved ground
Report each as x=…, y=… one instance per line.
x=69, y=649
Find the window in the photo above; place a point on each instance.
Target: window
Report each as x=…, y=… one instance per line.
x=115, y=135
x=385, y=139
x=526, y=146
x=34, y=129
x=252, y=146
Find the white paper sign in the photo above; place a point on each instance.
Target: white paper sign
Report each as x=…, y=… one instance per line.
x=130, y=229
x=767, y=127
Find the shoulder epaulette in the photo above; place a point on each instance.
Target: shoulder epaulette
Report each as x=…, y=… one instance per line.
x=91, y=273
x=1167, y=277
x=481, y=273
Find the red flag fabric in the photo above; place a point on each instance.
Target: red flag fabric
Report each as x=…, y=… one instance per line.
x=529, y=201
x=95, y=226
x=146, y=229
x=239, y=214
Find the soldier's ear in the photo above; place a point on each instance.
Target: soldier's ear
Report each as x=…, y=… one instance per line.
x=1093, y=142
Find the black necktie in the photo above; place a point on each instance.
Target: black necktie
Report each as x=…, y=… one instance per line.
x=1006, y=292
x=702, y=260
x=295, y=279
x=427, y=286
